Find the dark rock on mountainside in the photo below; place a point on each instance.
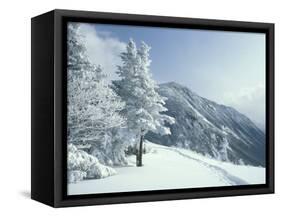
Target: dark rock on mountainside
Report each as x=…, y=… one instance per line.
x=209, y=128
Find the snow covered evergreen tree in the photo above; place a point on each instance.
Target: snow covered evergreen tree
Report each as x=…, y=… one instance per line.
x=93, y=107
x=144, y=106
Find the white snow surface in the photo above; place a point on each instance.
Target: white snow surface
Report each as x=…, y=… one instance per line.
x=171, y=168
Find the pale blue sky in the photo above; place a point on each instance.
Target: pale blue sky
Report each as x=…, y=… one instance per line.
x=227, y=67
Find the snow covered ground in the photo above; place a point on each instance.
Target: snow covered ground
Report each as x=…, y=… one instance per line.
x=171, y=168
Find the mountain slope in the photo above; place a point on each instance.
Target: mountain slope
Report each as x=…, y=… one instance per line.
x=206, y=127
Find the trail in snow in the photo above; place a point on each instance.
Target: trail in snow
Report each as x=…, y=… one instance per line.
x=171, y=168
x=222, y=173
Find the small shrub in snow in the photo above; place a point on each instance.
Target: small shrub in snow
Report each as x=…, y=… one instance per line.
x=82, y=165
x=79, y=160
x=98, y=171
x=147, y=148
x=75, y=176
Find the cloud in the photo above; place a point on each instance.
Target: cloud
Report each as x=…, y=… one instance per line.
x=103, y=48
x=249, y=101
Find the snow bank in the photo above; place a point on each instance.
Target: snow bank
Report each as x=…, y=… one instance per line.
x=82, y=165
x=171, y=168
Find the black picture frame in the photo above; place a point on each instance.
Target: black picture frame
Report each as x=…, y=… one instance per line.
x=48, y=70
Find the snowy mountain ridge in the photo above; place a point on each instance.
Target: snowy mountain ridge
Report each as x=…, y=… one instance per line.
x=215, y=130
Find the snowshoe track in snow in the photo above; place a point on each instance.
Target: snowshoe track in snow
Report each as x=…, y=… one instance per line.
x=222, y=173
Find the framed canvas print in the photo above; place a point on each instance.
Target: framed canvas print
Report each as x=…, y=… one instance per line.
x=131, y=108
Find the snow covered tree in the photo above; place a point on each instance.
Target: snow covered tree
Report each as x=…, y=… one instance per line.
x=144, y=106
x=93, y=107
x=117, y=143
